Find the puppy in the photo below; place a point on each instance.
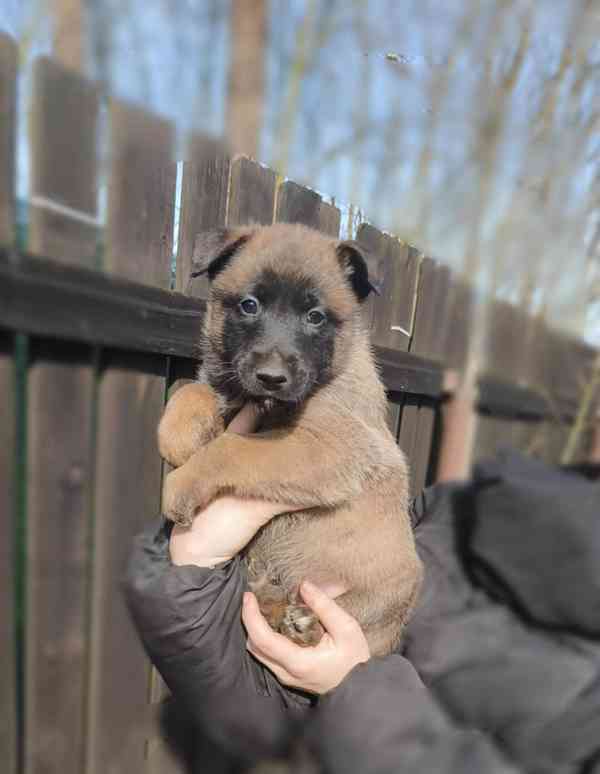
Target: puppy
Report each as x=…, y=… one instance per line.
x=283, y=328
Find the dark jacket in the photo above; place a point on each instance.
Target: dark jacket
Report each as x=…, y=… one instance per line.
x=500, y=669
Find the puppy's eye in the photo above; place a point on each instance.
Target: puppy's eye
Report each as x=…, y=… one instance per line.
x=249, y=306
x=315, y=317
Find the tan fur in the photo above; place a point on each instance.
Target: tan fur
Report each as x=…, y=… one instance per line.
x=196, y=409
x=336, y=460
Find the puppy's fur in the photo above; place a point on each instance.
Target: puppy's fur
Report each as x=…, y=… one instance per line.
x=298, y=348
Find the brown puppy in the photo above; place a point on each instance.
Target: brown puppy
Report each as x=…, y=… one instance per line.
x=283, y=328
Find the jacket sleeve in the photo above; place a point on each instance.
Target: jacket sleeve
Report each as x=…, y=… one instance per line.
x=382, y=719
x=189, y=620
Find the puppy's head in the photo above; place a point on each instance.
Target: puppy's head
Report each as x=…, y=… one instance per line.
x=283, y=308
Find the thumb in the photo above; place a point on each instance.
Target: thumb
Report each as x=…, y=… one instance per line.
x=245, y=421
x=337, y=622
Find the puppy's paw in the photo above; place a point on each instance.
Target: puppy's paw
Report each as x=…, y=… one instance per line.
x=184, y=493
x=190, y=420
x=301, y=625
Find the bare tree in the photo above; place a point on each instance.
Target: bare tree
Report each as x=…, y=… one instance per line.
x=68, y=33
x=246, y=94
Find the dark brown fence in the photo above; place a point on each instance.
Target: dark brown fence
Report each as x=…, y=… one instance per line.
x=91, y=339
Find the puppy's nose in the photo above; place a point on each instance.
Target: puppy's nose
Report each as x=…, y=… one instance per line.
x=271, y=379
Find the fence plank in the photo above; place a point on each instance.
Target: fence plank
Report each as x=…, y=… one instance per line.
x=8, y=724
x=376, y=245
x=59, y=397
x=251, y=193
x=204, y=189
x=128, y=468
x=296, y=204
x=394, y=266
x=393, y=323
x=396, y=327
x=330, y=219
x=507, y=353
x=64, y=120
x=430, y=322
x=8, y=74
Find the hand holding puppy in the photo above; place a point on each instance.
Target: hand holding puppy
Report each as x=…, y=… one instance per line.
x=318, y=669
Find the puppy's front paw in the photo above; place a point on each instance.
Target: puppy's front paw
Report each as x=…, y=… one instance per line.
x=183, y=494
x=191, y=419
x=301, y=625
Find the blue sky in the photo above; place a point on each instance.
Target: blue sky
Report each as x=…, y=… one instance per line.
x=365, y=113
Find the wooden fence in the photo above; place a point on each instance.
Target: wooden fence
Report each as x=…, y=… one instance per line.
x=92, y=337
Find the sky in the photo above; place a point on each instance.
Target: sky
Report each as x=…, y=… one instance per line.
x=389, y=117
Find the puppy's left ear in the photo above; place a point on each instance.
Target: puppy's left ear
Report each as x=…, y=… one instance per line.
x=353, y=258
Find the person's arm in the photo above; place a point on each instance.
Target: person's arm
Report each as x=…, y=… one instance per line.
x=184, y=589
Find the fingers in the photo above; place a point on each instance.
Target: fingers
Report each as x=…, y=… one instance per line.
x=262, y=639
x=245, y=421
x=336, y=621
x=318, y=669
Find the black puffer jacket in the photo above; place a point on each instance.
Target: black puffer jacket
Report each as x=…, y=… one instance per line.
x=501, y=664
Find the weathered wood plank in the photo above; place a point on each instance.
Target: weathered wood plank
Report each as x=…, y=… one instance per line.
x=204, y=189
x=128, y=468
x=8, y=709
x=59, y=394
x=401, y=289
x=506, y=353
x=64, y=120
x=296, y=204
x=330, y=219
x=377, y=255
x=8, y=75
x=251, y=193
x=429, y=325
x=395, y=269
x=142, y=179
x=458, y=324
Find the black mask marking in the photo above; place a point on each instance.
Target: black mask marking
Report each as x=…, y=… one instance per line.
x=276, y=354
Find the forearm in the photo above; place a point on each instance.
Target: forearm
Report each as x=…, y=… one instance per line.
x=188, y=618
x=382, y=718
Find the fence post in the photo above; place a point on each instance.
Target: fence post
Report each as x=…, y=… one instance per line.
x=60, y=381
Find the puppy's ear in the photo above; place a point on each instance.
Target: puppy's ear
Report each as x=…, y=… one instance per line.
x=213, y=250
x=353, y=258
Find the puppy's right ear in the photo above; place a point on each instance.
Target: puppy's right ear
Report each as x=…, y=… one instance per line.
x=213, y=250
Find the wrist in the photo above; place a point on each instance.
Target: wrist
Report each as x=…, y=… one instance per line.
x=186, y=549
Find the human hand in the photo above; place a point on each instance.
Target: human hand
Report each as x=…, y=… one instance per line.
x=224, y=527
x=317, y=669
